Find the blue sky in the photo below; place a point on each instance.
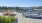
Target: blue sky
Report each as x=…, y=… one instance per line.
x=21, y=3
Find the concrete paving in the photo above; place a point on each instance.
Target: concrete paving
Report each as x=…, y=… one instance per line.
x=22, y=19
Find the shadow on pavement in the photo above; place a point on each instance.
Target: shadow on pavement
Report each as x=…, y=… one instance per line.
x=33, y=17
x=16, y=21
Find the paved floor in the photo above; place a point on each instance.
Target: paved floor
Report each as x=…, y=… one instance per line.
x=22, y=19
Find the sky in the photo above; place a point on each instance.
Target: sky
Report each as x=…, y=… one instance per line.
x=21, y=3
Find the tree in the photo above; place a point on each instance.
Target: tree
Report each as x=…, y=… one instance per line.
x=4, y=7
x=0, y=8
x=40, y=7
x=17, y=8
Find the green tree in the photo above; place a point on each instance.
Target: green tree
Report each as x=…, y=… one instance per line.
x=40, y=7
x=4, y=7
x=10, y=8
x=0, y=8
x=17, y=8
